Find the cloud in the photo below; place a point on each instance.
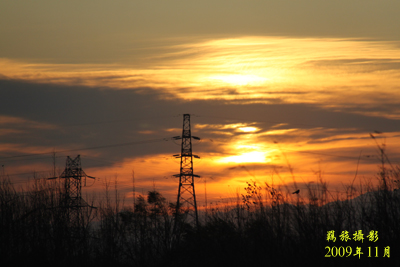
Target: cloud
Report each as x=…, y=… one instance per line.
x=367, y=65
x=24, y=123
x=120, y=31
x=332, y=73
x=310, y=114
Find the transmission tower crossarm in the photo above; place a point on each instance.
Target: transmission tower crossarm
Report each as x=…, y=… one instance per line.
x=71, y=195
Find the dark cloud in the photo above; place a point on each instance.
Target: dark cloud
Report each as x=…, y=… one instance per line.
x=82, y=117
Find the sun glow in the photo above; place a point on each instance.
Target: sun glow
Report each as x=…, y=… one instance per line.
x=239, y=79
x=254, y=157
x=247, y=69
x=248, y=129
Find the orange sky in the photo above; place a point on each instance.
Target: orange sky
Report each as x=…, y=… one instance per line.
x=268, y=94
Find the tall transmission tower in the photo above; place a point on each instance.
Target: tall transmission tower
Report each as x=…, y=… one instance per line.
x=186, y=192
x=71, y=196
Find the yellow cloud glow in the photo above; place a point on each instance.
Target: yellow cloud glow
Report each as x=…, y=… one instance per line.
x=248, y=129
x=325, y=71
x=250, y=157
x=239, y=80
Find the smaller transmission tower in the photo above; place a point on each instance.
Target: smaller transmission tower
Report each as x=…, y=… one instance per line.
x=186, y=192
x=71, y=197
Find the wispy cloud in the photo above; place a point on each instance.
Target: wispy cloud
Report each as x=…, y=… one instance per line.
x=25, y=123
x=333, y=73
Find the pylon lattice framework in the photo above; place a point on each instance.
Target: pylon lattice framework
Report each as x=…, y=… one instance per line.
x=186, y=192
x=71, y=197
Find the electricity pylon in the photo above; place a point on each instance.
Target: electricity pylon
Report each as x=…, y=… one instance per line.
x=186, y=192
x=71, y=197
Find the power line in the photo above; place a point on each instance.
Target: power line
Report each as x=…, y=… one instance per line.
x=90, y=148
x=116, y=121
x=370, y=157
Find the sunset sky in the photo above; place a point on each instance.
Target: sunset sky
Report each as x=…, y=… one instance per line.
x=271, y=86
